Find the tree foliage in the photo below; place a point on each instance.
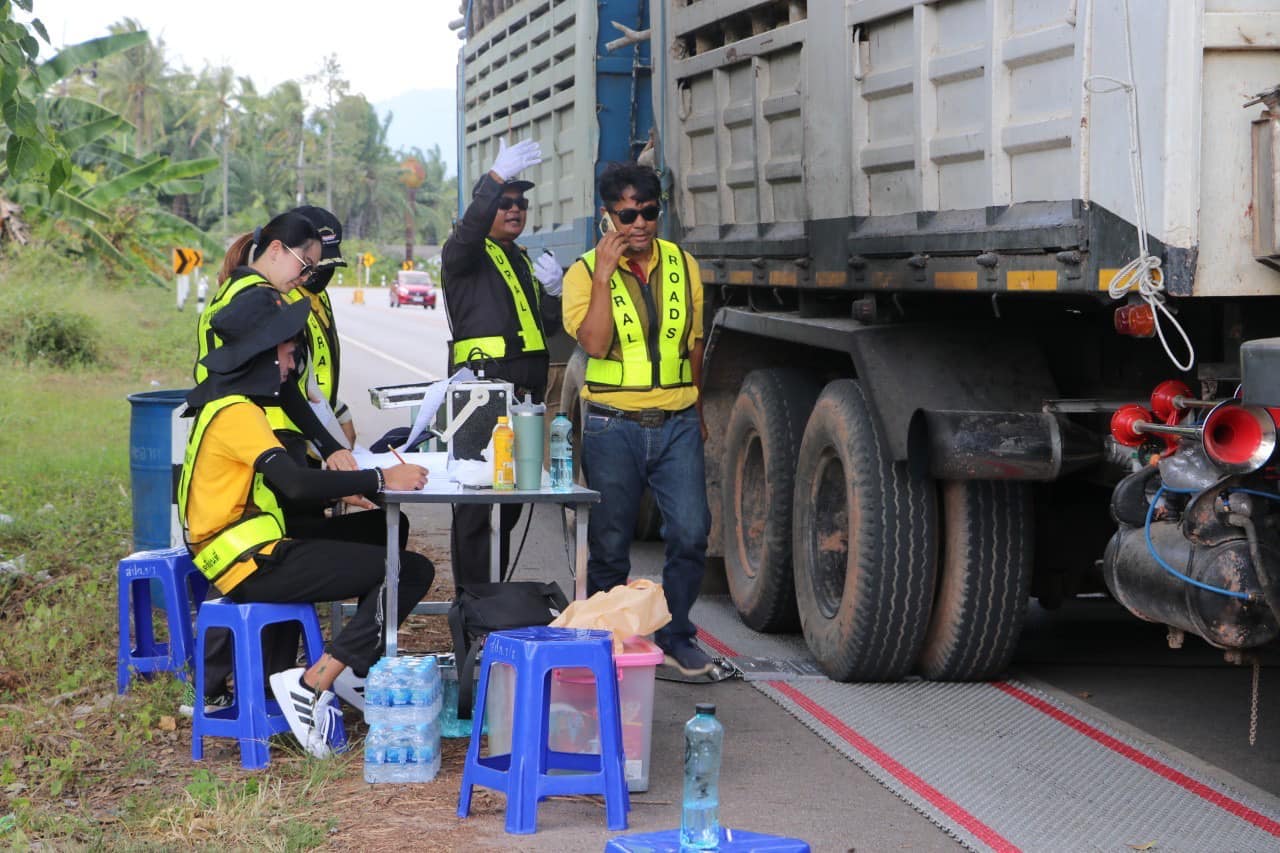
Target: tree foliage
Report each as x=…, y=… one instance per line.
x=130, y=156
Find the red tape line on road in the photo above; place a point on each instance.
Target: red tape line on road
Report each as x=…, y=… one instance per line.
x=948, y=806
x=1144, y=760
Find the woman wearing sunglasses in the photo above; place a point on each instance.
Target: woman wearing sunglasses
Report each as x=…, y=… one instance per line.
x=634, y=303
x=280, y=255
x=499, y=319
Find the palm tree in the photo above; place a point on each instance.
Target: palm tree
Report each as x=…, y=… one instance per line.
x=133, y=84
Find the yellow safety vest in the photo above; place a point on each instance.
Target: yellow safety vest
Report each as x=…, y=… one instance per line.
x=530, y=332
x=320, y=359
x=259, y=526
x=206, y=340
x=637, y=370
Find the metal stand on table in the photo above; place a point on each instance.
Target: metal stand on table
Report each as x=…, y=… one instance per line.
x=579, y=498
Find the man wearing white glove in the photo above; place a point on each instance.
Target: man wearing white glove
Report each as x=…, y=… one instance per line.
x=548, y=271
x=499, y=319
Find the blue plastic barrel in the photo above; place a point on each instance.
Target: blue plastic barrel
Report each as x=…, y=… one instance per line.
x=151, y=466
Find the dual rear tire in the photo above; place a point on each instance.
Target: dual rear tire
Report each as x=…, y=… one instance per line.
x=824, y=528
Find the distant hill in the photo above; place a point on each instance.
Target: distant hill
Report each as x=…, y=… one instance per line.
x=423, y=118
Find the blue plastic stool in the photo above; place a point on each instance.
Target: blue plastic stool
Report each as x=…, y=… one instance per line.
x=182, y=586
x=523, y=773
x=254, y=716
x=668, y=841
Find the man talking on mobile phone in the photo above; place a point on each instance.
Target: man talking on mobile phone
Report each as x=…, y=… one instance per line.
x=634, y=303
x=501, y=307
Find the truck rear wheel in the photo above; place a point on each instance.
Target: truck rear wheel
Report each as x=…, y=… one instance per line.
x=758, y=477
x=984, y=576
x=865, y=544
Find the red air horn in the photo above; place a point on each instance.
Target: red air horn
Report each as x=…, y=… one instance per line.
x=1236, y=437
x=1239, y=438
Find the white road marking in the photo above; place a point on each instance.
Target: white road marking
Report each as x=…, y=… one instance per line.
x=382, y=355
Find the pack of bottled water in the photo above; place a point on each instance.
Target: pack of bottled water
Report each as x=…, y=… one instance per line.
x=402, y=696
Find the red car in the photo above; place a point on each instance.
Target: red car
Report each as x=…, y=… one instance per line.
x=413, y=287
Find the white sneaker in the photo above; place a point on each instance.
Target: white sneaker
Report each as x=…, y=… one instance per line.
x=310, y=714
x=350, y=689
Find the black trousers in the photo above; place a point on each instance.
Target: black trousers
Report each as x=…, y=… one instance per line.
x=280, y=643
x=469, y=541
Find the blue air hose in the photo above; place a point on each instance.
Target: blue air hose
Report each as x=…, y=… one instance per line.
x=1151, y=511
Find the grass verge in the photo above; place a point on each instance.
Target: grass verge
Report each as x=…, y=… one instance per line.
x=81, y=767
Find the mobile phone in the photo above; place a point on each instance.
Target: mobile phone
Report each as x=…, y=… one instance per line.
x=606, y=224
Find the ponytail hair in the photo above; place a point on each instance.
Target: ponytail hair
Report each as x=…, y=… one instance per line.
x=292, y=229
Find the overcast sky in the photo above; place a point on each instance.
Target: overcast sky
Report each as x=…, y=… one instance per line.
x=385, y=47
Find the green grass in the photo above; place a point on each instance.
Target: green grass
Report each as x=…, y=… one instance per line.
x=80, y=767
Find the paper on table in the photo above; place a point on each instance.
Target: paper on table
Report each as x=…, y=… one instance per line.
x=432, y=400
x=435, y=463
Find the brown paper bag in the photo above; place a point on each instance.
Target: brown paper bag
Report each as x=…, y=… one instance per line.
x=637, y=608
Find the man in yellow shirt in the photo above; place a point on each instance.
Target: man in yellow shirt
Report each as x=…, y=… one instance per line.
x=634, y=303
x=234, y=469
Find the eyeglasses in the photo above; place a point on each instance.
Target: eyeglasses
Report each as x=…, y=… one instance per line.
x=628, y=215
x=307, y=266
x=507, y=202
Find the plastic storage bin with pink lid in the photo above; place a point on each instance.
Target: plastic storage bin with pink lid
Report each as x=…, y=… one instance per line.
x=573, y=725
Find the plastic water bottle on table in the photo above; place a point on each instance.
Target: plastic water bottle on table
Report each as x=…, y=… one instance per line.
x=561, y=451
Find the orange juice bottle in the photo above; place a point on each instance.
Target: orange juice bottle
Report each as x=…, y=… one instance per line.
x=504, y=462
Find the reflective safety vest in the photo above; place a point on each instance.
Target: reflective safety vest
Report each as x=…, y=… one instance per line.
x=206, y=340
x=530, y=331
x=321, y=336
x=668, y=333
x=261, y=524
x=320, y=359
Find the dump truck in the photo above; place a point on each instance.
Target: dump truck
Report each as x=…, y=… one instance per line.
x=978, y=276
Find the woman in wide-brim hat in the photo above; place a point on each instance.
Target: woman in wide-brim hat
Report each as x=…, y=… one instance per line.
x=232, y=472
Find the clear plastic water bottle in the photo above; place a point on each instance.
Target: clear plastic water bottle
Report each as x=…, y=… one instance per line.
x=398, y=754
x=377, y=691
x=375, y=755
x=561, y=453
x=700, y=817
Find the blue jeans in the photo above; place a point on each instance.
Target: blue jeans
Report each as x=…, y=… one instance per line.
x=620, y=457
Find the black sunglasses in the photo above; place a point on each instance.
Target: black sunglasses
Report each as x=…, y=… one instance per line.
x=507, y=202
x=628, y=215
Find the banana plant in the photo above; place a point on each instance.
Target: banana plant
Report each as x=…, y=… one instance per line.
x=69, y=156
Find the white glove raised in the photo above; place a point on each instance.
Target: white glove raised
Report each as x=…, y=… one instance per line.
x=548, y=271
x=512, y=161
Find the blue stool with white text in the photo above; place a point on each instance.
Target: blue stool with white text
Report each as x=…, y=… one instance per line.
x=254, y=715
x=523, y=774
x=182, y=588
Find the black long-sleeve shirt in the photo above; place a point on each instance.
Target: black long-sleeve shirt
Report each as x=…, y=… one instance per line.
x=476, y=296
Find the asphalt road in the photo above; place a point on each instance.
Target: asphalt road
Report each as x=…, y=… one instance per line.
x=1090, y=650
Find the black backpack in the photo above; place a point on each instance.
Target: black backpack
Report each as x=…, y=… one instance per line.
x=479, y=608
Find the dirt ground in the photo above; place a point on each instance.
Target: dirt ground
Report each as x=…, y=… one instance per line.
x=419, y=817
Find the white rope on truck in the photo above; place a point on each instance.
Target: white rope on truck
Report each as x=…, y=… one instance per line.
x=1143, y=272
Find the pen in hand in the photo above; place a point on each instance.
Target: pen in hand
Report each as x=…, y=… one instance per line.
x=398, y=456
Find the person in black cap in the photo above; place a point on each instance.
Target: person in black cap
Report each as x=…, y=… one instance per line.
x=324, y=354
x=499, y=319
x=233, y=470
